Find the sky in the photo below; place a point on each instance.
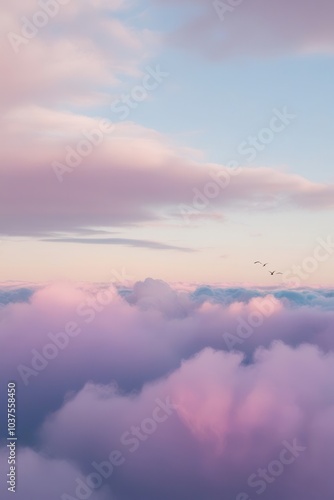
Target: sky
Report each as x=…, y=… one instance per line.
x=166, y=249
x=118, y=117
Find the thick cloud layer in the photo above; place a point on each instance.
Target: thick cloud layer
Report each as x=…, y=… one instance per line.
x=133, y=175
x=179, y=393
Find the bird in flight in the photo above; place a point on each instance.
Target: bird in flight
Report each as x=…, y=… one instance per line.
x=264, y=265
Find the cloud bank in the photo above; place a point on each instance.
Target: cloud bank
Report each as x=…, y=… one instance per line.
x=134, y=175
x=176, y=393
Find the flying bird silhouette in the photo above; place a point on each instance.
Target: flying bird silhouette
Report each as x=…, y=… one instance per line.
x=262, y=264
x=272, y=272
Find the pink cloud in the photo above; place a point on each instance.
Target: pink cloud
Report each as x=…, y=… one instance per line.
x=65, y=61
x=233, y=410
x=134, y=175
x=144, y=336
x=236, y=418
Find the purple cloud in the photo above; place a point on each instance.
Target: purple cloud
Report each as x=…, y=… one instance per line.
x=229, y=409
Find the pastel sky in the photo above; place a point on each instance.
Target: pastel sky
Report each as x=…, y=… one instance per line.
x=121, y=121
x=151, y=152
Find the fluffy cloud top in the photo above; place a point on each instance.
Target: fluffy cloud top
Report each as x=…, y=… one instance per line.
x=122, y=363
